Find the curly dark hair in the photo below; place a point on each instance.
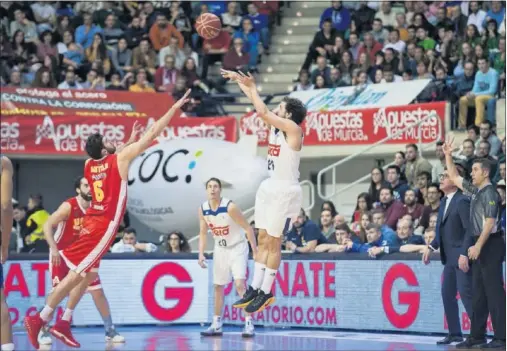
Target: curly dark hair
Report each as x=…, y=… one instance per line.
x=296, y=108
x=183, y=242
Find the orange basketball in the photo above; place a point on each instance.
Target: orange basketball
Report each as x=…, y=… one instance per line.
x=208, y=25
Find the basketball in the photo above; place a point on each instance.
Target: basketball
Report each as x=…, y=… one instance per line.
x=208, y=26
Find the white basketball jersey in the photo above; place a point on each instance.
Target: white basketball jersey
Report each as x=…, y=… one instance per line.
x=225, y=230
x=283, y=161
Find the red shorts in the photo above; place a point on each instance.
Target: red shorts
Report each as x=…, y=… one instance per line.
x=59, y=272
x=97, y=235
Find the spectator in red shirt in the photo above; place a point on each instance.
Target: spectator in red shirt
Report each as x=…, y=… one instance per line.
x=236, y=59
x=412, y=208
x=370, y=46
x=214, y=50
x=161, y=33
x=394, y=209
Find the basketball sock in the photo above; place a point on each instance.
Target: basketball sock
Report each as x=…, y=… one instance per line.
x=269, y=278
x=7, y=347
x=45, y=314
x=67, y=315
x=217, y=321
x=108, y=322
x=258, y=276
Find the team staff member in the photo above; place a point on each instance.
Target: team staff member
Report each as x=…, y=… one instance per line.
x=488, y=295
x=36, y=217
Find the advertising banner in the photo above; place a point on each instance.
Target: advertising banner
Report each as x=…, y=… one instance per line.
x=66, y=135
x=362, y=126
x=138, y=291
x=354, y=97
x=380, y=295
x=82, y=103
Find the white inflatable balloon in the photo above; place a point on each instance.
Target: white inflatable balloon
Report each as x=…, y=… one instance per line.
x=167, y=182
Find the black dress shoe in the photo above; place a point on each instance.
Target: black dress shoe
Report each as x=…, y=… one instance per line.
x=493, y=344
x=470, y=342
x=450, y=339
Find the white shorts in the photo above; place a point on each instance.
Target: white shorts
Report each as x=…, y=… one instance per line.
x=230, y=260
x=277, y=205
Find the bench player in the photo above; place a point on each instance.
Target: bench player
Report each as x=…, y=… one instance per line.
x=67, y=220
x=228, y=225
x=107, y=174
x=6, y=211
x=279, y=197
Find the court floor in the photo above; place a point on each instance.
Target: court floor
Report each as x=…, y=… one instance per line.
x=187, y=338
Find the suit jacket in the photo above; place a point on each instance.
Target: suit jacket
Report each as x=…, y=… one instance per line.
x=453, y=235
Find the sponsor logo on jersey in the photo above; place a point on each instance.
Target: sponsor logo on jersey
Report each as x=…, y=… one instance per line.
x=219, y=231
x=274, y=150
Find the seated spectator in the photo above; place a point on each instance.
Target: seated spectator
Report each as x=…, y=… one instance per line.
x=336, y=51
x=322, y=45
x=44, y=79
x=107, y=9
x=251, y=40
x=476, y=16
x=394, y=179
x=304, y=82
x=180, y=21
x=363, y=17
x=135, y=32
x=85, y=34
x=483, y=151
x=117, y=83
x=231, y=20
x=176, y=243
x=112, y=33
x=122, y=57
x=20, y=48
x=141, y=85
x=73, y=57
x=463, y=84
x=379, y=33
x=46, y=46
x=304, y=236
x=394, y=42
x=326, y=223
x=15, y=79
x=94, y=81
x=336, y=242
x=321, y=70
x=386, y=14
x=363, y=205
x=374, y=238
x=260, y=24
x=424, y=40
x=339, y=15
x=174, y=50
x=161, y=33
x=45, y=15
x=144, y=57
x=214, y=50
x=377, y=182
x=336, y=79
x=406, y=240
x=236, y=59
x=370, y=47
x=166, y=75
x=329, y=206
x=415, y=164
x=433, y=196
x=359, y=227
x=486, y=133
x=66, y=39
x=354, y=45
x=485, y=87
x=412, y=207
x=189, y=72
x=393, y=209
x=70, y=81
x=320, y=82
x=33, y=232
x=129, y=243
x=26, y=26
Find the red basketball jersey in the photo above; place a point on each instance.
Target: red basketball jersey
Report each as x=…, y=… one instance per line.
x=68, y=231
x=109, y=191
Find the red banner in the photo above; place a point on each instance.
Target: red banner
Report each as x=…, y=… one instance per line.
x=66, y=135
x=85, y=103
x=362, y=126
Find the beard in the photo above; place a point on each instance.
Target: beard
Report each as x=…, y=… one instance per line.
x=86, y=197
x=410, y=203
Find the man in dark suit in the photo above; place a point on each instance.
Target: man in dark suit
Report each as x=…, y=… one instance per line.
x=453, y=238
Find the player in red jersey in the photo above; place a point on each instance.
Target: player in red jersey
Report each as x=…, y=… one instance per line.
x=67, y=220
x=107, y=174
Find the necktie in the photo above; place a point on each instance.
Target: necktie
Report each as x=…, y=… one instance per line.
x=445, y=204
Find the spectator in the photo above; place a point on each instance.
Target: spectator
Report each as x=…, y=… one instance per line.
x=322, y=44
x=393, y=209
x=377, y=182
x=176, y=243
x=501, y=190
x=66, y=39
x=394, y=42
x=463, y=84
x=180, y=21
x=214, y=50
x=375, y=238
x=231, y=20
x=304, y=236
x=44, y=79
x=144, y=57
x=189, y=71
x=46, y=46
x=326, y=223
x=19, y=215
x=45, y=15
x=174, y=50
x=363, y=17
x=496, y=12
x=161, y=33
x=23, y=24
x=36, y=217
x=405, y=236
x=433, y=195
x=70, y=81
x=21, y=48
x=97, y=53
x=304, y=82
x=341, y=236
x=117, y=83
x=370, y=46
x=339, y=15
x=363, y=205
x=468, y=152
x=423, y=180
x=394, y=179
x=112, y=33
x=429, y=235
x=337, y=50
x=378, y=216
x=346, y=68
x=354, y=45
x=73, y=57
x=476, y=16
x=486, y=133
x=415, y=164
x=359, y=227
x=484, y=151
x=149, y=14
x=251, y=40
x=329, y=206
x=129, y=243
x=401, y=26
x=379, y=33
x=135, y=32
x=412, y=207
x=122, y=57
x=85, y=34
x=427, y=43
x=236, y=59
x=386, y=14
x=484, y=89
x=100, y=16
x=438, y=168
x=94, y=81
x=141, y=85
x=260, y=24
x=166, y=75
x=15, y=79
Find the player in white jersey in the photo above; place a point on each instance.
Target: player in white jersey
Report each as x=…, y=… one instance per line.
x=228, y=225
x=279, y=198
x=6, y=228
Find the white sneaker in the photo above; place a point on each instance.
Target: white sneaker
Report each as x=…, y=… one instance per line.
x=248, y=330
x=44, y=337
x=213, y=330
x=113, y=336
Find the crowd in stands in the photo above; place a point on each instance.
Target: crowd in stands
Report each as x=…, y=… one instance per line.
x=459, y=45
x=130, y=45
x=398, y=212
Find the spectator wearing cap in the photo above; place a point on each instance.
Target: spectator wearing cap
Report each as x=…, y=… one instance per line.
x=260, y=24
x=85, y=33
x=484, y=89
x=304, y=236
x=23, y=24
x=339, y=15
x=415, y=164
x=162, y=31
